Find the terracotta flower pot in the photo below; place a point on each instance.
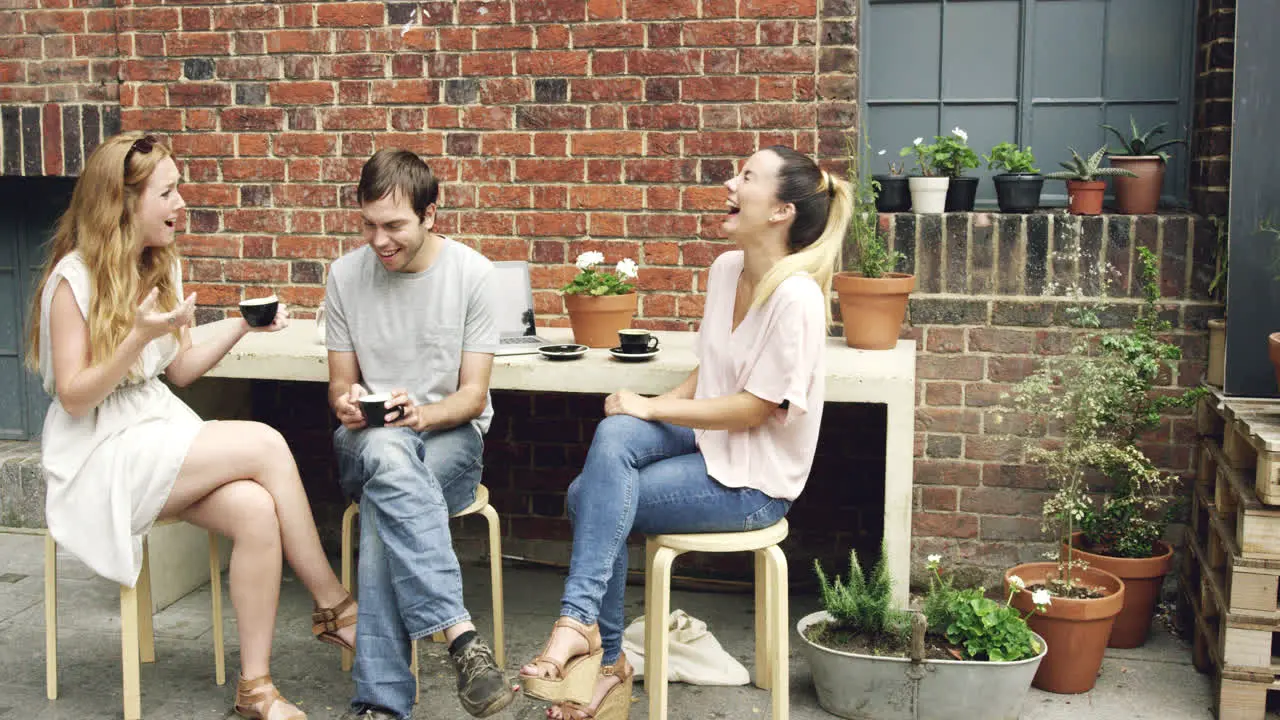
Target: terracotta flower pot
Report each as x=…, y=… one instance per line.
x=872, y=309
x=1142, y=580
x=596, y=320
x=1076, y=631
x=1273, y=342
x=1085, y=198
x=1216, y=373
x=1138, y=195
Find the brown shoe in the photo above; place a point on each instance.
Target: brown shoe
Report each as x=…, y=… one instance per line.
x=326, y=622
x=256, y=697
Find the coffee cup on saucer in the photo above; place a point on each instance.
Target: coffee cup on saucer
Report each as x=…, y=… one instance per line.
x=632, y=341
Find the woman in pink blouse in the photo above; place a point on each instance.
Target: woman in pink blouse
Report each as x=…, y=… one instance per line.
x=727, y=450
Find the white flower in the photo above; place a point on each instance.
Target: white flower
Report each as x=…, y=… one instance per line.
x=917, y=141
x=881, y=152
x=1041, y=597
x=960, y=134
x=1017, y=582
x=626, y=268
x=590, y=259
x=935, y=558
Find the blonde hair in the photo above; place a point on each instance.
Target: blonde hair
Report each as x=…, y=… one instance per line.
x=100, y=224
x=824, y=205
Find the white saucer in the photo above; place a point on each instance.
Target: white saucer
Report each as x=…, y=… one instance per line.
x=633, y=357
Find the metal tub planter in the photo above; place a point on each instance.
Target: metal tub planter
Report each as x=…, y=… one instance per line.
x=866, y=687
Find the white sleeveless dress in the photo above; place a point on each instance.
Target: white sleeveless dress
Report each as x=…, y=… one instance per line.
x=110, y=472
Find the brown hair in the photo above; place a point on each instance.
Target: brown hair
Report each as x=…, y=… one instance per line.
x=100, y=224
x=398, y=171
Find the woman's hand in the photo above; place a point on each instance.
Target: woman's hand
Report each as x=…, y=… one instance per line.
x=625, y=402
x=151, y=323
x=278, y=323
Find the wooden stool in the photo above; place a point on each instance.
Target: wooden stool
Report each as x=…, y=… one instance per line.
x=771, y=607
x=479, y=505
x=137, y=633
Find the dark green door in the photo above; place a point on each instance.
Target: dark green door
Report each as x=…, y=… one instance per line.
x=29, y=207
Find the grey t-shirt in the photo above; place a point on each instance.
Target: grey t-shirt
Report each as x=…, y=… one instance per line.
x=409, y=330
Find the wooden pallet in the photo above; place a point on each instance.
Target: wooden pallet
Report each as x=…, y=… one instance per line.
x=1250, y=431
x=1256, y=526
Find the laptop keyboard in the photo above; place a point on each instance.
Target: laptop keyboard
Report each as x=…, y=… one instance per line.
x=520, y=340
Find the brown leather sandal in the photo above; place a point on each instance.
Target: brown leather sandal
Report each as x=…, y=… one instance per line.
x=575, y=679
x=249, y=693
x=326, y=622
x=616, y=703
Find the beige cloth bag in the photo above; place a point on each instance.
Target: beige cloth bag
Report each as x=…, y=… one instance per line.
x=694, y=656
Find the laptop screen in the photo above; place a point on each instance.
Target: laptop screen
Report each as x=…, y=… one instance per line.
x=514, y=302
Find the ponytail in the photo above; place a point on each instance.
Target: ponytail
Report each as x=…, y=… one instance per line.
x=818, y=232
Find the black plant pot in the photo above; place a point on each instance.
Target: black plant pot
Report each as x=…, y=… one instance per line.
x=1018, y=192
x=961, y=192
x=894, y=195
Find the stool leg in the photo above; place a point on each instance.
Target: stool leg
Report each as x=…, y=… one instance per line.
x=413, y=668
x=658, y=608
x=779, y=612
x=146, y=626
x=649, y=549
x=437, y=637
x=348, y=519
x=763, y=639
x=50, y=617
x=215, y=595
x=495, y=581
x=129, y=653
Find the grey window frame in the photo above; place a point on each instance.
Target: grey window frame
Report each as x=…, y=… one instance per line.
x=1054, y=194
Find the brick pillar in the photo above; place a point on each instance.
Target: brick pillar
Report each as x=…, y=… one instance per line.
x=1211, y=138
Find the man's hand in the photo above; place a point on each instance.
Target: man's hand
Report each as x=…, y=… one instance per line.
x=347, y=408
x=625, y=402
x=413, y=418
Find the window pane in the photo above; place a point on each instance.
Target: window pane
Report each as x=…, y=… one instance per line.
x=981, y=50
x=1144, y=46
x=893, y=127
x=11, y=394
x=1055, y=128
x=1067, y=43
x=907, y=42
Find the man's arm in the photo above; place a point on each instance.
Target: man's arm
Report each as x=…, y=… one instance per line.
x=344, y=388
x=460, y=407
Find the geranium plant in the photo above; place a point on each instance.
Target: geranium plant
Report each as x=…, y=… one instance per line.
x=926, y=156
x=592, y=280
x=1007, y=155
x=979, y=627
x=953, y=155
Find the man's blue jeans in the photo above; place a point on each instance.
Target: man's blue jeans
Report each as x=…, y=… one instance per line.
x=410, y=583
x=650, y=477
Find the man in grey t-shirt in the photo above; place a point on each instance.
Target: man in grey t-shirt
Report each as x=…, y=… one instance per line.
x=410, y=315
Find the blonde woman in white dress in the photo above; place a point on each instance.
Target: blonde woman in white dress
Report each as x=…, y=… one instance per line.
x=120, y=450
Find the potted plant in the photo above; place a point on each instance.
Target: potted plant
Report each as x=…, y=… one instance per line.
x=1084, y=189
x=873, y=299
x=1101, y=395
x=893, y=195
x=967, y=656
x=1273, y=340
x=1139, y=194
x=929, y=188
x=1018, y=187
x=600, y=303
x=952, y=157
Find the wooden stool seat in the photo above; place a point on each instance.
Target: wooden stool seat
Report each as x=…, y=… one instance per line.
x=137, y=631
x=479, y=505
x=770, y=607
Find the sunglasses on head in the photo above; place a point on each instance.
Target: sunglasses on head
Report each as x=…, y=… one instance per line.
x=142, y=145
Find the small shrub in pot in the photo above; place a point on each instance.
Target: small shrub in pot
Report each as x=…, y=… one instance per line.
x=1018, y=187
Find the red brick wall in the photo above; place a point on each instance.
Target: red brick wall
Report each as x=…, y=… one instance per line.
x=1211, y=138
x=560, y=125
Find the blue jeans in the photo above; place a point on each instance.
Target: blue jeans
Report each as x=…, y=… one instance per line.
x=650, y=477
x=410, y=583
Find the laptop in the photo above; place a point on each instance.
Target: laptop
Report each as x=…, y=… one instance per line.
x=514, y=306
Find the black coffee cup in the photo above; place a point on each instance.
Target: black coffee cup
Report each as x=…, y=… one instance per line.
x=375, y=409
x=260, y=312
x=637, y=341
